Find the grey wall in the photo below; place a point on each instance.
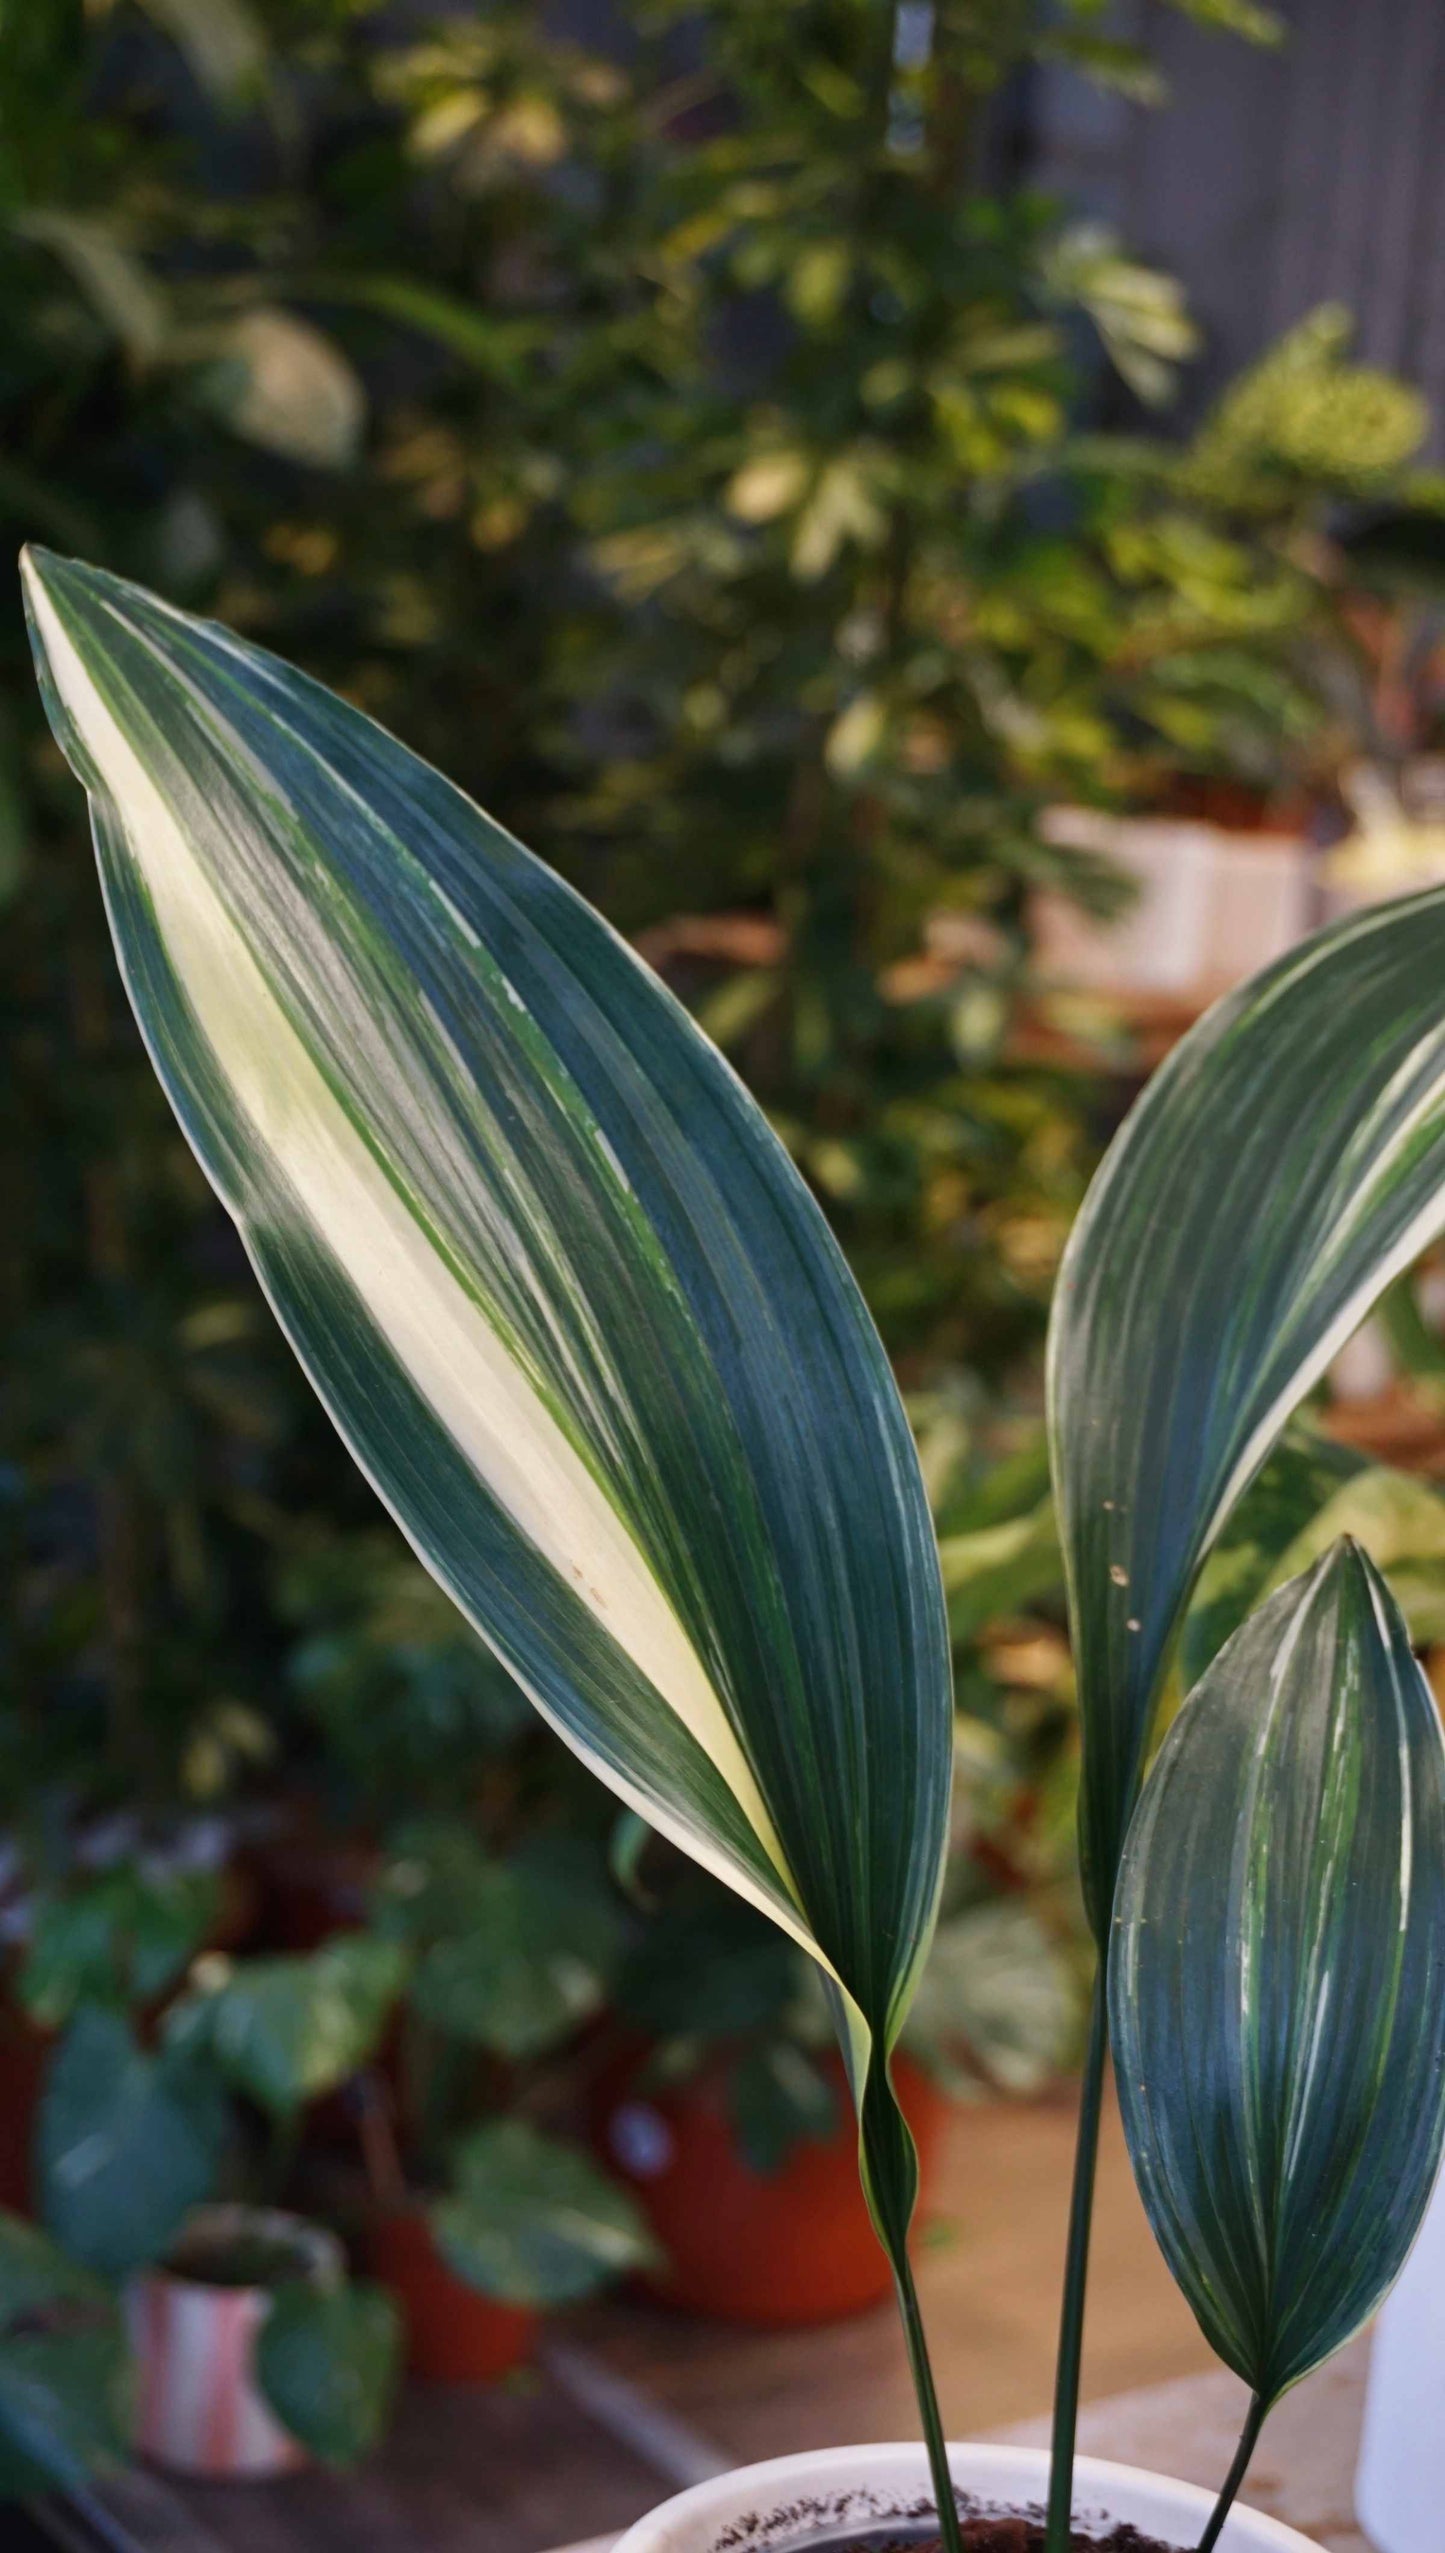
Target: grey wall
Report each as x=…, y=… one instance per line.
x=1274, y=181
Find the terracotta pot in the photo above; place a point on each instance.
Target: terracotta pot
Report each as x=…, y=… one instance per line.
x=768, y=2249
x=199, y=2408
x=799, y=2500
x=454, y=2335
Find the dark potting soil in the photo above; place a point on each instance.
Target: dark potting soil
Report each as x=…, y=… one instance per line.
x=993, y=2535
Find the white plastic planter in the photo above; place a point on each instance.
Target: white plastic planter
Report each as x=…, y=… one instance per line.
x=797, y=2499
x=1400, y=2485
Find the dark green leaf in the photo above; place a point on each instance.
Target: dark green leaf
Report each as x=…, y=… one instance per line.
x=1277, y=1979
x=128, y=2144
x=1282, y=1167
x=328, y=2359
x=708, y=1971
x=778, y=2096
x=560, y=1286
x=534, y=2222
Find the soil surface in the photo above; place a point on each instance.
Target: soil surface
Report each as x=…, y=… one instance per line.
x=1005, y=2535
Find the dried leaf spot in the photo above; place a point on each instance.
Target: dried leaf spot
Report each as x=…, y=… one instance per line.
x=1119, y=1574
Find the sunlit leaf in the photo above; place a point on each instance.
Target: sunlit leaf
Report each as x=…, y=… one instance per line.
x=1286, y=1162
x=1277, y=1984
x=533, y=2221
x=564, y=1294
x=284, y=2031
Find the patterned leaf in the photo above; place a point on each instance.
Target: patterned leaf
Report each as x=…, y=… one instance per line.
x=1284, y=1165
x=561, y=1289
x=1277, y=1984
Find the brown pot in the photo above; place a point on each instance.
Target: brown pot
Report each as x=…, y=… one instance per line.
x=770, y=2249
x=454, y=2335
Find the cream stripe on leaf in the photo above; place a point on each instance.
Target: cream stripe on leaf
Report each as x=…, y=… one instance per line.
x=1283, y=1166
x=558, y=1284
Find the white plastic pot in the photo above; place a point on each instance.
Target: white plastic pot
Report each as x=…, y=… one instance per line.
x=1400, y=2484
x=798, y=2499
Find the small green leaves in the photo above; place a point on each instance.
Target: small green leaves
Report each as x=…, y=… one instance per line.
x=1286, y=1162
x=532, y=2221
x=1277, y=1983
x=328, y=2357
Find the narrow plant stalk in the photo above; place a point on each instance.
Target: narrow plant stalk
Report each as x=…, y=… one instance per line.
x=1076, y=2273
x=1248, y=2439
x=928, y=2411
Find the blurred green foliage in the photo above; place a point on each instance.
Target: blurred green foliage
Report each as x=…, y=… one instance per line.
x=670, y=422
x=662, y=421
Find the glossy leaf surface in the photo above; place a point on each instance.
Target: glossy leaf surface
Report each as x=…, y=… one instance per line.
x=558, y=1284
x=1284, y=1164
x=1277, y=1983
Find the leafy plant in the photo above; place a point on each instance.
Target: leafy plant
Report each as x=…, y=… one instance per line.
x=508, y=1958
x=569, y=1301
x=177, y=2076
x=1282, y=1168
x=538, y=1335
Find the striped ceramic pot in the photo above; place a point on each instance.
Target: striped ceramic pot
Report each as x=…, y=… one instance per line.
x=193, y=2330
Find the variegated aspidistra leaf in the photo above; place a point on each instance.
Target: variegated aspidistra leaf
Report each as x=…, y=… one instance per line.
x=1277, y=1979
x=560, y=1288
x=1286, y=1163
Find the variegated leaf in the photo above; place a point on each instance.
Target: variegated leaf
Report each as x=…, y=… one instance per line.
x=1277, y=1981
x=560, y=1288
x=1283, y=1166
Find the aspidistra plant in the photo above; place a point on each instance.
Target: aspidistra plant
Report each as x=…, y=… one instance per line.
x=563, y=1293
x=1286, y=1163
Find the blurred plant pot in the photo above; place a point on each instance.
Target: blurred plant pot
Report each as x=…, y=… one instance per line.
x=775, y=2249
x=839, y=2492
x=1212, y=903
x=193, y=2329
x=1400, y=2483
x=454, y=2335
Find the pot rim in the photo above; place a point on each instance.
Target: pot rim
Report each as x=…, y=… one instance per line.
x=782, y=2505
x=320, y=2258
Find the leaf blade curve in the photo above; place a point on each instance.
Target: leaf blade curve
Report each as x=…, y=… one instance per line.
x=562, y=1291
x=1277, y=1977
x=1285, y=1163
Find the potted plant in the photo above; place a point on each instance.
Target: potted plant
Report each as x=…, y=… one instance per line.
x=726, y=2107
x=574, y=1310
x=167, y=2126
x=484, y=2210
